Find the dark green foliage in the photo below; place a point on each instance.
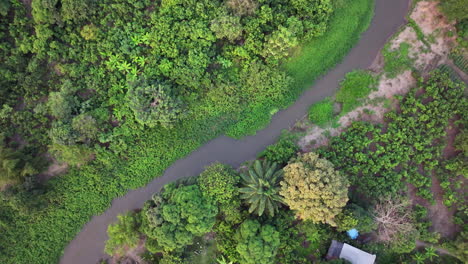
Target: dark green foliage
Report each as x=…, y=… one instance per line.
x=356, y=86
x=257, y=243
x=260, y=188
x=15, y=165
x=177, y=215
x=282, y=151
x=125, y=233
x=365, y=221
x=321, y=113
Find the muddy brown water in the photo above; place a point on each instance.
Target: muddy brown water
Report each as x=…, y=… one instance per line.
x=88, y=245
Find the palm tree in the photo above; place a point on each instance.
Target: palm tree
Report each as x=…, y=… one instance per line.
x=261, y=186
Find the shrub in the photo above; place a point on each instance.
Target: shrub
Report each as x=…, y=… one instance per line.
x=321, y=113
x=356, y=86
x=281, y=152
x=124, y=234
x=257, y=243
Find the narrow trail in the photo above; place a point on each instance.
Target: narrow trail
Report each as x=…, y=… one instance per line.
x=88, y=245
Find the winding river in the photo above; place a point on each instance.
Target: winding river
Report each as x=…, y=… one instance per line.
x=87, y=247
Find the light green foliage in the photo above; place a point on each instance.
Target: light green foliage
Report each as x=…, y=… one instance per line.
x=257, y=243
x=15, y=165
x=77, y=11
x=345, y=221
x=152, y=105
x=260, y=188
x=226, y=26
x=242, y=7
x=89, y=32
x=356, y=86
x=219, y=182
x=124, y=234
x=75, y=155
x=413, y=137
x=282, y=151
x=314, y=189
x=455, y=9
x=396, y=61
x=321, y=113
x=278, y=45
x=45, y=11
x=178, y=215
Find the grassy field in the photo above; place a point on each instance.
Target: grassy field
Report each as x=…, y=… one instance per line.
x=30, y=235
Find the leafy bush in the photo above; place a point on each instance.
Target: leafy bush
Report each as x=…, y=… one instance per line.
x=281, y=152
x=356, y=86
x=396, y=61
x=321, y=113
x=257, y=243
x=124, y=234
x=219, y=182
x=152, y=105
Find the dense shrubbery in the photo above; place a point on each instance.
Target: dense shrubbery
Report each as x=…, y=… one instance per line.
x=68, y=70
x=313, y=189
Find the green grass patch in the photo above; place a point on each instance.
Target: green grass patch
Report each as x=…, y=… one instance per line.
x=321, y=113
x=356, y=86
x=316, y=57
x=36, y=227
x=396, y=61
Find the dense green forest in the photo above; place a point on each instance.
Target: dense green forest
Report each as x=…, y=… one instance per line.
x=118, y=90
x=286, y=207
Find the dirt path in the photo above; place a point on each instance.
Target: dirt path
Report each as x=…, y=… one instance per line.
x=88, y=245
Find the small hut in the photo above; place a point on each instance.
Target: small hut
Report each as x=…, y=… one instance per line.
x=349, y=253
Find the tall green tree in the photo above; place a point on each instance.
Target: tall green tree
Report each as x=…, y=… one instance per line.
x=178, y=215
x=257, y=243
x=261, y=188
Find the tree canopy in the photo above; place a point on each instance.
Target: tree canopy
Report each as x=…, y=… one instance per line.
x=314, y=189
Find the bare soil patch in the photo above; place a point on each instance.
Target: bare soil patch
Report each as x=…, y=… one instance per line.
x=440, y=215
